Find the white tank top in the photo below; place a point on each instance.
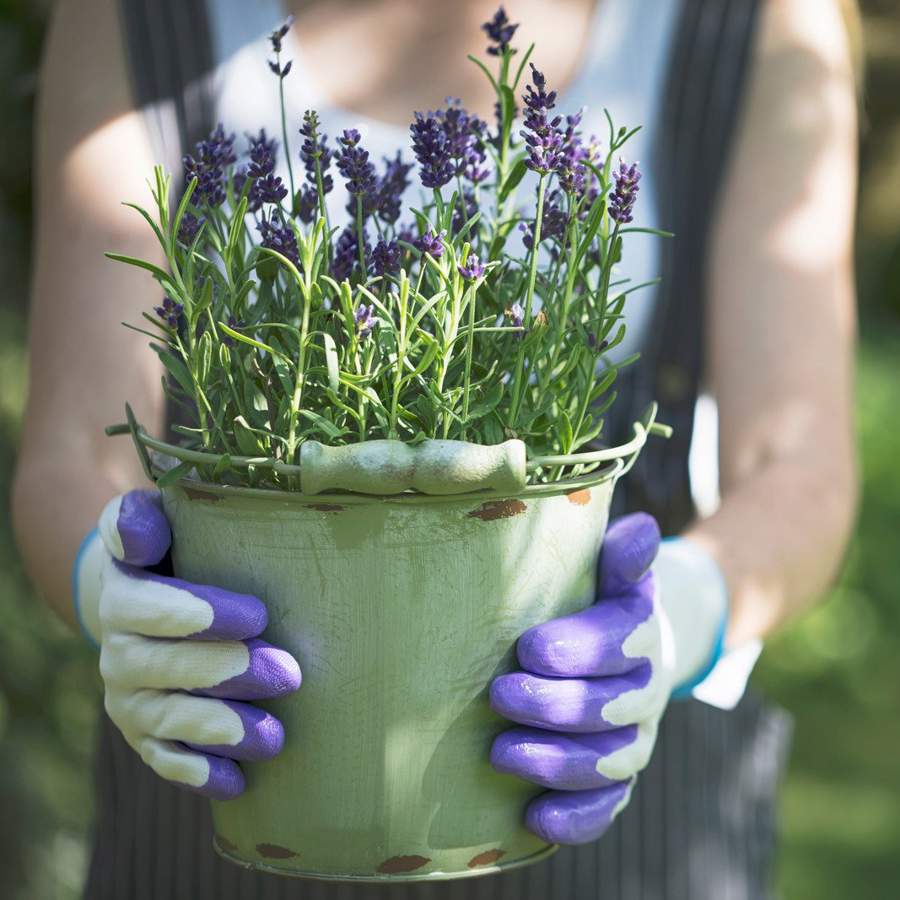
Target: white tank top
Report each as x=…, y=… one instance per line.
x=623, y=70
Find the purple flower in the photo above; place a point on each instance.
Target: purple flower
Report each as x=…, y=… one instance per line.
x=516, y=316
x=170, y=312
x=500, y=30
x=346, y=254
x=279, y=70
x=353, y=164
x=465, y=138
x=307, y=204
x=278, y=236
x=553, y=223
x=432, y=243
x=432, y=149
x=621, y=201
x=391, y=187
x=315, y=148
x=239, y=179
x=365, y=320
x=540, y=133
x=473, y=269
x=277, y=36
x=189, y=228
x=208, y=164
x=570, y=162
x=267, y=187
x=386, y=257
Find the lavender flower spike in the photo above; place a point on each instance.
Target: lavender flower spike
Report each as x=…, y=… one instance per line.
x=516, y=315
x=267, y=186
x=315, y=149
x=170, y=312
x=189, y=228
x=432, y=149
x=279, y=237
x=541, y=134
x=473, y=269
x=621, y=201
x=386, y=258
x=431, y=243
x=353, y=163
x=208, y=164
x=277, y=36
x=365, y=319
x=500, y=30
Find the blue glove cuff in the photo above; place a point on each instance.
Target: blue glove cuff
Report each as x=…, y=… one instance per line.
x=76, y=586
x=683, y=691
x=710, y=570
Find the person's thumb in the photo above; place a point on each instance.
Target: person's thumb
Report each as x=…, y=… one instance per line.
x=134, y=528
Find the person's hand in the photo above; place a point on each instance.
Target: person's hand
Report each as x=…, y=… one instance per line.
x=595, y=684
x=178, y=660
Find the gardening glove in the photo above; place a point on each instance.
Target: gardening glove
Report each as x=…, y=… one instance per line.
x=178, y=660
x=595, y=684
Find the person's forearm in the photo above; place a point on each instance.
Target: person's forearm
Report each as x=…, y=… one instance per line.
x=779, y=537
x=55, y=504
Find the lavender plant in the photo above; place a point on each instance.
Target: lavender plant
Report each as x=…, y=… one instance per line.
x=410, y=322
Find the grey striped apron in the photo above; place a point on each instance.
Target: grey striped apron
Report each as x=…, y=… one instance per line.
x=701, y=823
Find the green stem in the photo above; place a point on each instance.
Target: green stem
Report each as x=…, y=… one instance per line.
x=470, y=343
x=360, y=243
x=401, y=356
x=323, y=208
x=300, y=375
x=567, y=297
x=517, y=385
x=284, y=133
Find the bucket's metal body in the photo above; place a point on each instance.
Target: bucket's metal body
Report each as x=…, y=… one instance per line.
x=400, y=615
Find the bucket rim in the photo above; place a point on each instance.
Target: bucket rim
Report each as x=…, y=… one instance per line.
x=587, y=470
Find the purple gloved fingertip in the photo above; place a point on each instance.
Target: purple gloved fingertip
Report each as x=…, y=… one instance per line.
x=629, y=548
x=577, y=817
x=263, y=736
x=271, y=672
x=225, y=781
x=558, y=761
x=143, y=528
x=588, y=643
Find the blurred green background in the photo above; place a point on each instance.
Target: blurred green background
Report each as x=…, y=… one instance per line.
x=838, y=670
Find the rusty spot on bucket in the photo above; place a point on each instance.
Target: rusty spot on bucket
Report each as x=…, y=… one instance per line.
x=194, y=494
x=498, y=509
x=326, y=507
x=579, y=498
x=397, y=864
x=274, y=851
x=486, y=859
x=225, y=844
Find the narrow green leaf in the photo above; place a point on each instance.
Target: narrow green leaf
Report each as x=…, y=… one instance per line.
x=140, y=263
x=178, y=370
x=512, y=180
x=182, y=470
x=331, y=361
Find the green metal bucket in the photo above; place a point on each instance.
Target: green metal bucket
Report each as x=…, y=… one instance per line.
x=401, y=610
x=400, y=615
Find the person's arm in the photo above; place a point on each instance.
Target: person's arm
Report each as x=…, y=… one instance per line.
x=92, y=153
x=782, y=325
